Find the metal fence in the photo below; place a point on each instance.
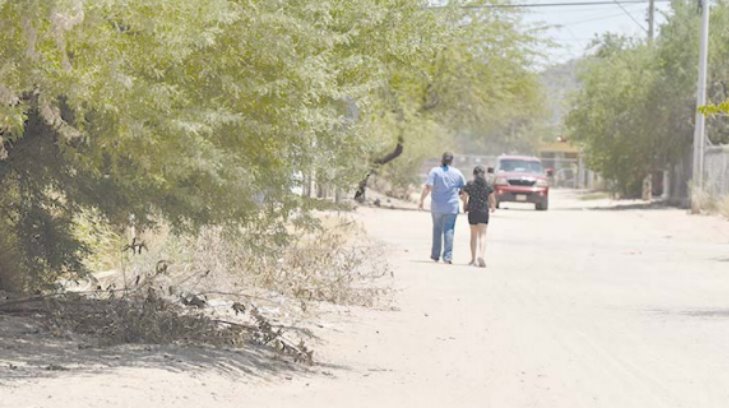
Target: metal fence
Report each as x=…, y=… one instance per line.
x=716, y=170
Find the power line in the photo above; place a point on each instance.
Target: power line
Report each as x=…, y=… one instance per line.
x=627, y=13
x=573, y=39
x=587, y=19
x=562, y=4
x=565, y=11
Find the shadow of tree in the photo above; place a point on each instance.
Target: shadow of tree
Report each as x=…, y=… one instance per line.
x=655, y=205
x=707, y=313
x=719, y=313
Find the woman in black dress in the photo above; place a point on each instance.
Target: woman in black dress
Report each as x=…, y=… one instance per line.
x=478, y=200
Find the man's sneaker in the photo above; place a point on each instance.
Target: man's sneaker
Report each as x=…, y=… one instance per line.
x=434, y=259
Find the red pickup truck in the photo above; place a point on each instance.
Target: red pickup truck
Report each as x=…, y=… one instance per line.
x=521, y=179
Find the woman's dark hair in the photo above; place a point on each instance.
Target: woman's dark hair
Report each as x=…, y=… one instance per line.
x=480, y=174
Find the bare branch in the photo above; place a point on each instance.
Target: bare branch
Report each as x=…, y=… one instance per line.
x=52, y=116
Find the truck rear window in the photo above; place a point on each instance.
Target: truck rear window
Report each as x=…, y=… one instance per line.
x=521, y=166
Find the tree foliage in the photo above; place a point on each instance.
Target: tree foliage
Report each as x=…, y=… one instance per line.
x=716, y=109
x=634, y=112
x=201, y=112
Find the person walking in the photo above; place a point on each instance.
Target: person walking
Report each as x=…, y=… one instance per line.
x=444, y=184
x=478, y=199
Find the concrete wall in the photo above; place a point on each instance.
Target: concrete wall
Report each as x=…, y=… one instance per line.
x=716, y=170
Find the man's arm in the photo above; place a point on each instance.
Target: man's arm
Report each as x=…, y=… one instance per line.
x=463, y=192
x=492, y=202
x=427, y=188
x=424, y=194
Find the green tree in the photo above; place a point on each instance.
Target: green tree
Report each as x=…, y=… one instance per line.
x=450, y=71
x=609, y=114
x=634, y=112
x=201, y=112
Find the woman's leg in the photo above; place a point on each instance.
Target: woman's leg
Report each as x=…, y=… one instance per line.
x=474, y=243
x=482, y=228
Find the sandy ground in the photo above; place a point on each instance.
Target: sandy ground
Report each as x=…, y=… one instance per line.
x=578, y=307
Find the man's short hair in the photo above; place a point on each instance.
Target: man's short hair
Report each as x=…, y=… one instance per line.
x=447, y=159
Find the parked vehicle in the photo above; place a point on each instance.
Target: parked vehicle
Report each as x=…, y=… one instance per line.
x=521, y=179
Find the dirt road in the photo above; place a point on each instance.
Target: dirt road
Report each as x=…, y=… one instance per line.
x=577, y=308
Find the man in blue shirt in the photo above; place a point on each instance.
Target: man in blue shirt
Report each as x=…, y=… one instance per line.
x=445, y=184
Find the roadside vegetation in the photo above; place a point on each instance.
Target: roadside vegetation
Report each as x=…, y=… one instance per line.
x=633, y=113
x=211, y=290
x=594, y=195
x=152, y=153
x=192, y=114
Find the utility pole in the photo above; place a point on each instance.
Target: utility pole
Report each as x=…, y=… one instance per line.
x=651, y=19
x=700, y=125
x=647, y=191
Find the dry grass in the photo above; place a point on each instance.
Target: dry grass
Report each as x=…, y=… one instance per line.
x=335, y=263
x=216, y=288
x=594, y=195
x=702, y=201
x=722, y=206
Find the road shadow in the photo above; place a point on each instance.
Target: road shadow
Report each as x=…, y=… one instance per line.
x=425, y=261
x=616, y=207
x=722, y=313
x=620, y=207
x=391, y=207
x=441, y=264
x=28, y=351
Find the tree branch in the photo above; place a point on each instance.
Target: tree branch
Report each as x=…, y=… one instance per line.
x=52, y=116
x=359, y=195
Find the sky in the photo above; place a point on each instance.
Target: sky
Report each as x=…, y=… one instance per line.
x=573, y=27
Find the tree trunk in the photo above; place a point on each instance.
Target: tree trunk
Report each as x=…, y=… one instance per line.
x=359, y=195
